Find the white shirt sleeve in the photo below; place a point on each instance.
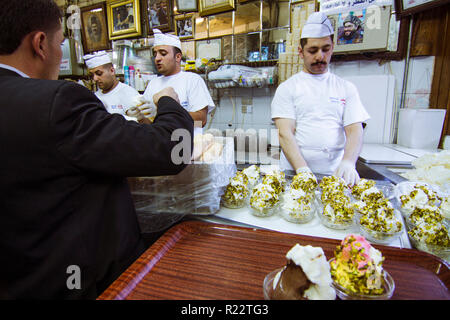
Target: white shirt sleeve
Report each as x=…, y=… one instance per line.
x=283, y=103
x=354, y=110
x=198, y=94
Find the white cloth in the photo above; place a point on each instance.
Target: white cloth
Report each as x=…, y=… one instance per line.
x=317, y=26
x=98, y=59
x=190, y=87
x=118, y=99
x=162, y=39
x=321, y=105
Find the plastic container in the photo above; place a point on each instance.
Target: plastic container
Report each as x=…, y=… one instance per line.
x=420, y=128
x=126, y=75
x=388, y=285
x=131, y=75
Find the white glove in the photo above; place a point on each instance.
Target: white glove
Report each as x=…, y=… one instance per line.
x=303, y=169
x=148, y=110
x=134, y=112
x=347, y=171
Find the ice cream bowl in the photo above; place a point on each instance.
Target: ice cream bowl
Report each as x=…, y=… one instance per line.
x=268, y=283
x=235, y=204
x=442, y=252
x=337, y=225
x=264, y=212
x=302, y=217
x=379, y=237
x=298, y=214
x=345, y=294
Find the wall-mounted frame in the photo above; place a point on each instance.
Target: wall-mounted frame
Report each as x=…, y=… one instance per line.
x=187, y=5
x=123, y=19
x=159, y=15
x=94, y=29
x=354, y=51
x=209, y=49
x=184, y=26
x=356, y=32
x=209, y=7
x=408, y=7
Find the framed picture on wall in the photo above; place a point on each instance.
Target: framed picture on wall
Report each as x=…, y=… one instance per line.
x=123, y=19
x=159, y=14
x=408, y=7
x=187, y=5
x=209, y=49
x=185, y=26
x=94, y=29
x=209, y=7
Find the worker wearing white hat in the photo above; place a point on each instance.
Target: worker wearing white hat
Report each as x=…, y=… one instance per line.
x=115, y=95
x=319, y=115
x=191, y=89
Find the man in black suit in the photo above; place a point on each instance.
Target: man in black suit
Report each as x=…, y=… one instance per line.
x=68, y=226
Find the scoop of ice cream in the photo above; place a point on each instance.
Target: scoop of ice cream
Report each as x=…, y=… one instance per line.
x=358, y=266
x=361, y=186
x=338, y=208
x=304, y=180
x=276, y=179
x=332, y=183
x=382, y=219
x=307, y=275
x=427, y=214
x=252, y=174
x=368, y=207
x=415, y=198
x=431, y=233
x=290, y=283
x=373, y=194
x=263, y=196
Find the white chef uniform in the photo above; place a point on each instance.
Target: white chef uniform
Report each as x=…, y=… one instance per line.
x=118, y=99
x=321, y=105
x=190, y=87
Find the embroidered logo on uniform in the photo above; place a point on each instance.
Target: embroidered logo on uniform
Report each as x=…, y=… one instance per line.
x=184, y=104
x=337, y=100
x=117, y=106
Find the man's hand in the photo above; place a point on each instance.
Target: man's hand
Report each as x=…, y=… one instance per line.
x=303, y=169
x=166, y=92
x=347, y=171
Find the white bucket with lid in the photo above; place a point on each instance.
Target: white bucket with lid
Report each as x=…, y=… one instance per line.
x=420, y=128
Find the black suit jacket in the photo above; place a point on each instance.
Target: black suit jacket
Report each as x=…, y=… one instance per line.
x=64, y=196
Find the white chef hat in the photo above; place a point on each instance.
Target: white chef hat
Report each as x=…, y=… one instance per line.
x=317, y=26
x=162, y=39
x=97, y=59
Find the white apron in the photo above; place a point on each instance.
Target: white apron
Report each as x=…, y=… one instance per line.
x=319, y=129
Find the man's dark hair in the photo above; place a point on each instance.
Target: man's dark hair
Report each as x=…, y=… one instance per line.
x=176, y=50
x=304, y=41
x=20, y=17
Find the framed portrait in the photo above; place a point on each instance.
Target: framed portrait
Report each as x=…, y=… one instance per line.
x=184, y=25
x=209, y=49
x=187, y=5
x=209, y=7
x=159, y=15
x=123, y=19
x=408, y=7
x=94, y=29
